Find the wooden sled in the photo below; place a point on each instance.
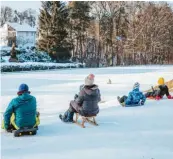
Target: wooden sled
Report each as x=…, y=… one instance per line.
x=169, y=84
x=90, y=120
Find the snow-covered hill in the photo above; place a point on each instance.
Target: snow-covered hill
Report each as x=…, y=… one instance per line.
x=123, y=133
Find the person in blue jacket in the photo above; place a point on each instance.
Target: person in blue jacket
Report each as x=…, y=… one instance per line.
x=135, y=97
x=21, y=111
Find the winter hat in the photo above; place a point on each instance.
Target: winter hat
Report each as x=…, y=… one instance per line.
x=136, y=85
x=161, y=81
x=23, y=88
x=89, y=80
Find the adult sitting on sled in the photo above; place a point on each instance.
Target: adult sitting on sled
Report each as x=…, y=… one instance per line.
x=159, y=92
x=135, y=97
x=21, y=112
x=86, y=103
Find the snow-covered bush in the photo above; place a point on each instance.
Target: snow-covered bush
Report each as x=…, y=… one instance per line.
x=29, y=66
x=33, y=56
x=2, y=60
x=5, y=50
x=28, y=54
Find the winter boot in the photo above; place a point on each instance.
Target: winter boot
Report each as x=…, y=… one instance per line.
x=63, y=117
x=67, y=117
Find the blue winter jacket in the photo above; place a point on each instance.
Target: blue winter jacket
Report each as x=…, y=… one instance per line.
x=24, y=109
x=135, y=97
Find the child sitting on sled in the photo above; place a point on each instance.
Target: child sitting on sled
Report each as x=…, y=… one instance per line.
x=21, y=111
x=86, y=103
x=159, y=91
x=135, y=97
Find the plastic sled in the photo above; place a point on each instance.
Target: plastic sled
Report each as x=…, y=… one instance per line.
x=25, y=131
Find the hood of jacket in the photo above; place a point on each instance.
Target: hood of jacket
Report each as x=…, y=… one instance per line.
x=25, y=97
x=91, y=90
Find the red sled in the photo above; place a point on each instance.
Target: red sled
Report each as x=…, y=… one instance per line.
x=151, y=98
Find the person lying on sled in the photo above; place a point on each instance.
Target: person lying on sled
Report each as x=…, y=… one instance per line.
x=159, y=92
x=86, y=103
x=135, y=97
x=21, y=112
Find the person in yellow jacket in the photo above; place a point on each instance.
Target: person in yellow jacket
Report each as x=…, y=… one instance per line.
x=160, y=91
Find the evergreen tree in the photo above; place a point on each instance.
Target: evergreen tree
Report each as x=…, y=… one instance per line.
x=80, y=19
x=53, y=22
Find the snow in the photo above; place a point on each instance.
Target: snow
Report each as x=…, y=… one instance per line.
x=26, y=66
x=21, y=27
x=37, y=63
x=6, y=48
x=123, y=133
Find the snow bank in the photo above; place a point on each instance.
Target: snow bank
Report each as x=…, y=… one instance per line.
x=144, y=132
x=28, y=66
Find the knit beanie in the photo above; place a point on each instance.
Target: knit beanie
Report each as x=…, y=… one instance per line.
x=136, y=85
x=89, y=80
x=22, y=89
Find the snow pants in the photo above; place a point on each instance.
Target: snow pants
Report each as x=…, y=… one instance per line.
x=15, y=127
x=123, y=99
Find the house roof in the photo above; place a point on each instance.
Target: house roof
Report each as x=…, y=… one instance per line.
x=21, y=27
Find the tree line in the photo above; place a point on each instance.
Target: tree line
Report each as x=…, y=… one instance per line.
x=107, y=33
x=27, y=16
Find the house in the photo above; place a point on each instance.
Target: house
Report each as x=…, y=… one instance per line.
x=20, y=34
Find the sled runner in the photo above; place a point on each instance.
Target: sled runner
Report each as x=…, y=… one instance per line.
x=90, y=120
x=103, y=101
x=25, y=131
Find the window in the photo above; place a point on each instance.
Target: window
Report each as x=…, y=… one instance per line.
x=26, y=33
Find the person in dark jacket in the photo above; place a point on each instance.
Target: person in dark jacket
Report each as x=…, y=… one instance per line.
x=86, y=103
x=134, y=98
x=159, y=92
x=22, y=111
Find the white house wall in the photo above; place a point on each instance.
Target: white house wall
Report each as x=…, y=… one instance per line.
x=26, y=38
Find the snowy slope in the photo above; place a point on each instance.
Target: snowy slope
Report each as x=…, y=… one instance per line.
x=123, y=133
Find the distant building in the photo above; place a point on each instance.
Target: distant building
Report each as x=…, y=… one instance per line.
x=20, y=34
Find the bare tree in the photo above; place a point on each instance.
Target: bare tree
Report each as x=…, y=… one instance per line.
x=6, y=15
x=149, y=33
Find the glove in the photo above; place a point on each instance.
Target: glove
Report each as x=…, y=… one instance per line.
x=76, y=96
x=38, y=114
x=158, y=98
x=169, y=97
x=9, y=129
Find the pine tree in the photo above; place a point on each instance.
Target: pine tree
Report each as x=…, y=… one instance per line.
x=80, y=18
x=53, y=22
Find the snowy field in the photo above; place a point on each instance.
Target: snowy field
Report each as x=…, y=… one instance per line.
x=123, y=133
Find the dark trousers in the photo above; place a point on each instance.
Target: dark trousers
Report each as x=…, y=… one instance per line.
x=74, y=107
x=153, y=93
x=123, y=99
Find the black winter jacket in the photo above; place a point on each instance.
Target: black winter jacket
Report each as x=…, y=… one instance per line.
x=161, y=91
